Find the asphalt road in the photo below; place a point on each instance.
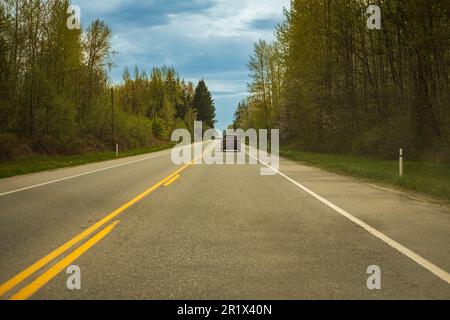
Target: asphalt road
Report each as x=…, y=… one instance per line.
x=216, y=232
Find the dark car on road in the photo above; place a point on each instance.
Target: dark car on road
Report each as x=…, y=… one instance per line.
x=230, y=142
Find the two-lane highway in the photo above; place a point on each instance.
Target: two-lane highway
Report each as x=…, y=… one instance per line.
x=144, y=228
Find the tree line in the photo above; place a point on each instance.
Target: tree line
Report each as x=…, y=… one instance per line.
x=56, y=95
x=332, y=85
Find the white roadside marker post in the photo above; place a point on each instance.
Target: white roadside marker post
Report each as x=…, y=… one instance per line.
x=401, y=163
x=117, y=150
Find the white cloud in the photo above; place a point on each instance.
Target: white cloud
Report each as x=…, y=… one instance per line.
x=229, y=18
x=99, y=6
x=201, y=39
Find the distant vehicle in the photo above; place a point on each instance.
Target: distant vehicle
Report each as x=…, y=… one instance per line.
x=230, y=142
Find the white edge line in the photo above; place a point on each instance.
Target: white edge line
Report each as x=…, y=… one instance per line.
x=78, y=175
x=442, y=274
x=86, y=173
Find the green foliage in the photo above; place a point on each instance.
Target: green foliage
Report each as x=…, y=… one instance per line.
x=204, y=105
x=35, y=163
x=159, y=128
x=133, y=131
x=12, y=147
x=430, y=178
x=161, y=99
x=386, y=140
x=332, y=85
x=55, y=95
x=189, y=119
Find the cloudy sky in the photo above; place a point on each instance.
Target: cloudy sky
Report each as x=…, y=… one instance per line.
x=210, y=39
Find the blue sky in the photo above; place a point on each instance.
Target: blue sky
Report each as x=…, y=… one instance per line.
x=210, y=39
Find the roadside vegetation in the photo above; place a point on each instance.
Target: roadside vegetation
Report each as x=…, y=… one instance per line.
x=425, y=177
x=347, y=98
x=332, y=85
x=57, y=98
x=37, y=163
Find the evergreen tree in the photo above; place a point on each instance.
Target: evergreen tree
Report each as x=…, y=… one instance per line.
x=204, y=105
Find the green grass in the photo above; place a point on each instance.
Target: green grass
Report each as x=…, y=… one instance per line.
x=429, y=178
x=37, y=163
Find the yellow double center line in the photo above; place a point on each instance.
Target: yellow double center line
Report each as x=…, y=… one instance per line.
x=175, y=178
x=43, y=279
x=48, y=275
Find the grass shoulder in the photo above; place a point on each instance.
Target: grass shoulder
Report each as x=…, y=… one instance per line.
x=429, y=178
x=38, y=163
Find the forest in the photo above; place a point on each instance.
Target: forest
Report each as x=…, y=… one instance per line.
x=332, y=85
x=56, y=95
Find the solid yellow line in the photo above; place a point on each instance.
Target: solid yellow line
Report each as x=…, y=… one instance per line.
x=10, y=284
x=168, y=183
x=43, y=279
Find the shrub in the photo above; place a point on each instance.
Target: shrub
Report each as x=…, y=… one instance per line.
x=11, y=147
x=385, y=141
